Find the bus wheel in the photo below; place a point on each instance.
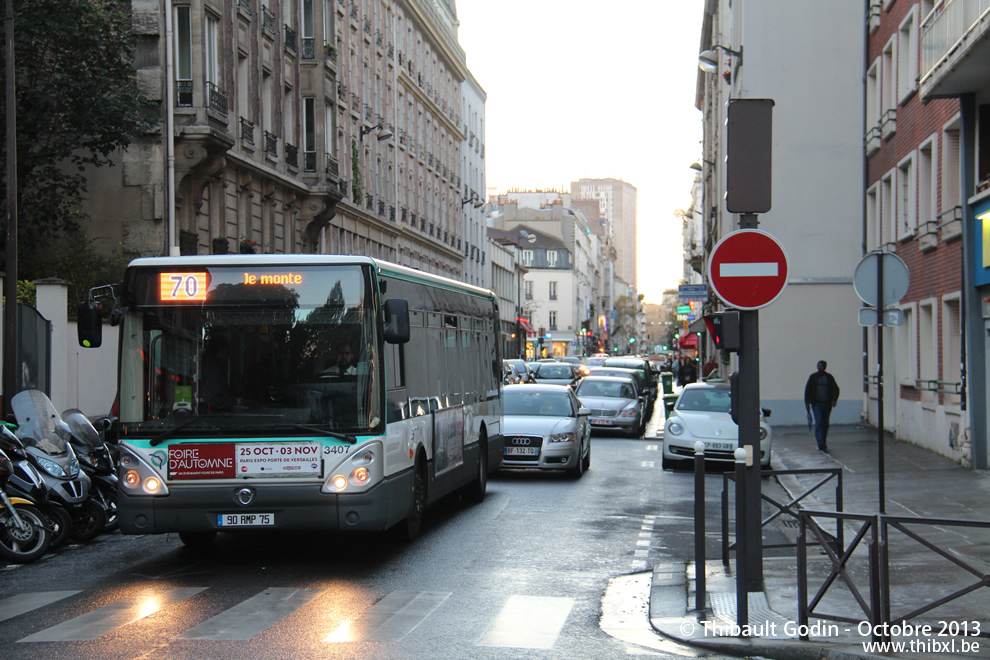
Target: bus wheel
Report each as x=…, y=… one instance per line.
x=197, y=539
x=418, y=505
x=477, y=488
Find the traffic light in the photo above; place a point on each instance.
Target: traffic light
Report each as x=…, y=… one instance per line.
x=724, y=330
x=734, y=397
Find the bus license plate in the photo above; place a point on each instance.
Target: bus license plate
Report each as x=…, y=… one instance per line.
x=522, y=451
x=245, y=519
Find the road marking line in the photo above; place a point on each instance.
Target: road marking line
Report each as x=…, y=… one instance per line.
x=532, y=622
x=254, y=615
x=99, y=622
x=391, y=618
x=22, y=603
x=751, y=269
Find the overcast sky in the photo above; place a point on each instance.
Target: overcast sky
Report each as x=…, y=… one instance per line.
x=604, y=88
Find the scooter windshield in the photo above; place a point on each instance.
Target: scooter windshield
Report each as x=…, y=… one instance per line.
x=82, y=428
x=38, y=422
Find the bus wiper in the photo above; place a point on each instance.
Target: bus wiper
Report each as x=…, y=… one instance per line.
x=346, y=437
x=165, y=435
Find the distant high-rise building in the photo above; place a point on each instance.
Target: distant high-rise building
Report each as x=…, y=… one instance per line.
x=617, y=204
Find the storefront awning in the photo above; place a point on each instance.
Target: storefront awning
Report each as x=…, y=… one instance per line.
x=689, y=340
x=525, y=325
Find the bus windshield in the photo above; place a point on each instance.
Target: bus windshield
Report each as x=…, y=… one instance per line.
x=236, y=350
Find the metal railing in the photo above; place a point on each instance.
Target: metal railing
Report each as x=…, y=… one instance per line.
x=791, y=508
x=877, y=529
x=247, y=130
x=217, y=98
x=945, y=29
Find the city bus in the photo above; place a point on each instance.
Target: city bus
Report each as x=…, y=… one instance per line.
x=297, y=392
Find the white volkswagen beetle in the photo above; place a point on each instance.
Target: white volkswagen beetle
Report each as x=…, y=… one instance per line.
x=702, y=413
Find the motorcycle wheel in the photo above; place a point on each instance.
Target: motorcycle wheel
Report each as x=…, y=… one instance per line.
x=23, y=544
x=88, y=522
x=61, y=525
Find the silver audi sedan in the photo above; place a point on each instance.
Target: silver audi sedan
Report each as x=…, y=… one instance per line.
x=545, y=427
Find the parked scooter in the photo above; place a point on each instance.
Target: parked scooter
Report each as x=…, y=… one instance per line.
x=25, y=481
x=46, y=440
x=23, y=534
x=94, y=457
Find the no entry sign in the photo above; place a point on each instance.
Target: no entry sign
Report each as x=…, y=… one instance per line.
x=748, y=269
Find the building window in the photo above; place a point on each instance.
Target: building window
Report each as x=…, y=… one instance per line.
x=528, y=289
x=553, y=290
x=551, y=258
x=927, y=349
x=907, y=56
x=951, y=348
x=906, y=343
x=873, y=111
x=183, y=57
x=212, y=50
x=951, y=163
x=887, y=233
x=553, y=320
x=906, y=210
x=309, y=134
x=527, y=257
x=927, y=191
x=872, y=218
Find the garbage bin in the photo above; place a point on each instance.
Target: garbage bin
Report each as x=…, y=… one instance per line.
x=668, y=382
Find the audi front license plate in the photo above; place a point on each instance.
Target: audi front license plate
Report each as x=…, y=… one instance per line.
x=522, y=451
x=245, y=519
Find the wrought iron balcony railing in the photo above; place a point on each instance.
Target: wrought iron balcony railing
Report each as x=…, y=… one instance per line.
x=271, y=144
x=268, y=20
x=290, y=38
x=308, y=48
x=218, y=98
x=247, y=130
x=291, y=155
x=184, y=93
x=333, y=167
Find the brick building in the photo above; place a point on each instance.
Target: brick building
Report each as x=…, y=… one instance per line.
x=913, y=209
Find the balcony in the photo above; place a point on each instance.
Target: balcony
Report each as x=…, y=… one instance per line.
x=955, y=46
x=247, y=131
x=292, y=155
x=218, y=98
x=271, y=144
x=290, y=38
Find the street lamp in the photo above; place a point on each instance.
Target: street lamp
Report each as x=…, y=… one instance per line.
x=708, y=60
x=384, y=133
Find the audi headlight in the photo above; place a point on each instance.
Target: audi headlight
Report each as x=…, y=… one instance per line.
x=50, y=466
x=562, y=437
x=675, y=428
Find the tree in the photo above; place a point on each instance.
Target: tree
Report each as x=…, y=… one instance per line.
x=77, y=104
x=628, y=309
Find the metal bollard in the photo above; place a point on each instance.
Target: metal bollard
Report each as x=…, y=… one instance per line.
x=742, y=595
x=700, y=588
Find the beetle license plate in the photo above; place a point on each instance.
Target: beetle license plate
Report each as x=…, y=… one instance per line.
x=720, y=445
x=245, y=520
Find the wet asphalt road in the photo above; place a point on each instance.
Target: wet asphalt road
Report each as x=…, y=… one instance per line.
x=522, y=575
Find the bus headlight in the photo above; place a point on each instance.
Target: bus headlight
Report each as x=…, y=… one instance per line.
x=139, y=477
x=361, y=470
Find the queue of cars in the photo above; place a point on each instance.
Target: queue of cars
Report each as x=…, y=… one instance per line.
x=614, y=394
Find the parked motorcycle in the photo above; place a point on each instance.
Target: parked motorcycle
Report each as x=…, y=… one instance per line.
x=46, y=440
x=95, y=460
x=24, y=536
x=25, y=481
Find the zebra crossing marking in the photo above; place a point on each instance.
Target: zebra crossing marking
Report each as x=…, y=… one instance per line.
x=99, y=622
x=22, y=603
x=391, y=618
x=254, y=615
x=531, y=622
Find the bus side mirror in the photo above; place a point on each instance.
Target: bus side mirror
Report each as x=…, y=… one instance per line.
x=89, y=324
x=396, y=321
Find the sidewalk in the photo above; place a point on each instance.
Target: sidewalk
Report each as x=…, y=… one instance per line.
x=918, y=483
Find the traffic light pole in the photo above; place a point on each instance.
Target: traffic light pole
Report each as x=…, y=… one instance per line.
x=749, y=435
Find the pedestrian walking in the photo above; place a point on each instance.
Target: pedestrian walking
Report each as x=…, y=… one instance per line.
x=687, y=373
x=821, y=394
